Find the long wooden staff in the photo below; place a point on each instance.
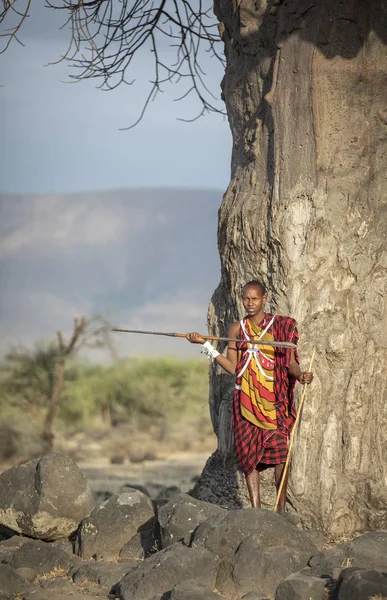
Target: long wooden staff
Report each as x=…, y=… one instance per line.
x=284, y=472
x=209, y=337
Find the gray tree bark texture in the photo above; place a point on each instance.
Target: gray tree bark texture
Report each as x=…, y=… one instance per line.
x=306, y=212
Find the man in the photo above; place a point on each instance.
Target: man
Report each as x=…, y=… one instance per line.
x=263, y=408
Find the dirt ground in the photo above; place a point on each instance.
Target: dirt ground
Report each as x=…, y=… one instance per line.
x=177, y=470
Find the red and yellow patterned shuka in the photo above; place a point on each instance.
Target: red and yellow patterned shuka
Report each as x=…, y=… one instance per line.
x=263, y=409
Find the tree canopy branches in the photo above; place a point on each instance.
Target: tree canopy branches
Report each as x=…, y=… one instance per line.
x=106, y=36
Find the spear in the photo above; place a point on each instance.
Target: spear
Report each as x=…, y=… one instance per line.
x=208, y=337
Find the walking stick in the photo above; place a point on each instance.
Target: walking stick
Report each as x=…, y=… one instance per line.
x=284, y=473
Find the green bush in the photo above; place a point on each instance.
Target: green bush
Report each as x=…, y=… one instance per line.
x=164, y=398
x=140, y=389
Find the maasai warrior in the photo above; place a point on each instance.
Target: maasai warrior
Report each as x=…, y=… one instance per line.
x=263, y=409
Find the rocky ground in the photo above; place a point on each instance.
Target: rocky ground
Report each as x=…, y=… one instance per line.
x=164, y=474
x=59, y=543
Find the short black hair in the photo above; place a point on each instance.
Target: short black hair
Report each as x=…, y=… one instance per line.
x=255, y=283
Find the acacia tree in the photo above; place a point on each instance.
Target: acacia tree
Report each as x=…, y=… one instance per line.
x=305, y=90
x=37, y=377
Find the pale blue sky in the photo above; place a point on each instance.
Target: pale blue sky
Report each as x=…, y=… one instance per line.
x=57, y=137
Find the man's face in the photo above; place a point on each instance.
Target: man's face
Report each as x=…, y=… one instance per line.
x=253, y=300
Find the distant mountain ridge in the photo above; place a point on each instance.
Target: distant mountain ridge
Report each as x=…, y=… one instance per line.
x=143, y=257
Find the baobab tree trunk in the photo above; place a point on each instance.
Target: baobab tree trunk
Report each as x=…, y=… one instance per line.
x=306, y=211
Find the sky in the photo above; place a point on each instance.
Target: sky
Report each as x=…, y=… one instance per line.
x=127, y=256
x=64, y=255
x=58, y=137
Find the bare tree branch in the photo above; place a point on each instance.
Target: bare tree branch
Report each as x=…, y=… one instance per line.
x=106, y=36
x=12, y=33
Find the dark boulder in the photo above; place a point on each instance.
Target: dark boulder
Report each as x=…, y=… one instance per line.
x=67, y=545
x=103, y=574
x=27, y=574
x=44, y=498
x=361, y=584
x=140, y=546
x=223, y=534
x=260, y=567
x=368, y=551
x=9, y=547
x=300, y=587
x=11, y=583
x=41, y=557
x=258, y=549
x=114, y=523
x=14, y=542
x=167, y=568
x=317, y=537
x=180, y=516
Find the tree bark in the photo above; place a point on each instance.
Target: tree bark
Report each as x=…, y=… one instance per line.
x=306, y=212
x=53, y=407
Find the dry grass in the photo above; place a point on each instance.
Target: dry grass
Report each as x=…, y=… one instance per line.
x=346, y=563
x=378, y=597
x=54, y=573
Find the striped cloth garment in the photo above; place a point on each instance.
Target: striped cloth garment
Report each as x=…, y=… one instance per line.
x=263, y=408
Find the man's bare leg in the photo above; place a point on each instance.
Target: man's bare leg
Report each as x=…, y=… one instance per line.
x=279, y=469
x=253, y=485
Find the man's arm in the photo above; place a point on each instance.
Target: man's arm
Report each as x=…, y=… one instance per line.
x=295, y=370
x=228, y=362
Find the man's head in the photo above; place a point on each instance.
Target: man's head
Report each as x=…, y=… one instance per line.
x=257, y=284
x=254, y=298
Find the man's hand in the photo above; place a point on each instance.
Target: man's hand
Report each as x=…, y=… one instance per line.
x=195, y=338
x=305, y=377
